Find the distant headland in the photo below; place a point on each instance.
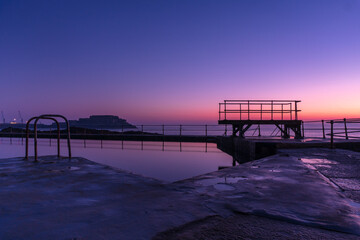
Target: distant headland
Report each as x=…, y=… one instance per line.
x=93, y=122
x=100, y=122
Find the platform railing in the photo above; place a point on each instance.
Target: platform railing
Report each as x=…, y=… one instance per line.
x=259, y=110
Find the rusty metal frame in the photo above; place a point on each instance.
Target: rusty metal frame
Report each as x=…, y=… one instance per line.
x=50, y=117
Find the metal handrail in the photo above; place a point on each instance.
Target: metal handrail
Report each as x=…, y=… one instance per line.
x=35, y=136
x=319, y=130
x=50, y=117
x=67, y=128
x=336, y=128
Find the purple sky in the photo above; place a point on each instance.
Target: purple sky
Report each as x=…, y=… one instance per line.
x=173, y=61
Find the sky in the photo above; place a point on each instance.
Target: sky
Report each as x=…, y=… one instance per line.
x=174, y=61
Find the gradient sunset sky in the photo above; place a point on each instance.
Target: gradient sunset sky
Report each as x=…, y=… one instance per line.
x=173, y=61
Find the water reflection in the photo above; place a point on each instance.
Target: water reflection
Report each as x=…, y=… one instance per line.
x=168, y=161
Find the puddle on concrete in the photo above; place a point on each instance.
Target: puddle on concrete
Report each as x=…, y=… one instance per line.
x=234, y=179
x=48, y=162
x=210, y=181
x=85, y=201
x=285, y=179
x=214, y=181
x=355, y=206
x=310, y=140
x=55, y=170
x=9, y=168
x=223, y=187
x=73, y=168
x=258, y=178
x=201, y=190
x=324, y=166
x=236, y=195
x=317, y=161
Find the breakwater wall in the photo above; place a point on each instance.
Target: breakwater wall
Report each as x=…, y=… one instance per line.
x=244, y=150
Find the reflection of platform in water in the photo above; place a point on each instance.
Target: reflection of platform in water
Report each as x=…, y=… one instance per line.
x=242, y=114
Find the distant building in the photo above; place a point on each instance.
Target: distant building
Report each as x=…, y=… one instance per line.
x=100, y=122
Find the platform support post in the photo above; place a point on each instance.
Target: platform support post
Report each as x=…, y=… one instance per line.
x=332, y=134
x=346, y=131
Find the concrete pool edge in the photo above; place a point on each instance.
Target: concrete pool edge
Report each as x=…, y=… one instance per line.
x=88, y=193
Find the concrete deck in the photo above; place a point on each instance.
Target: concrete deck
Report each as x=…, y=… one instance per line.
x=291, y=194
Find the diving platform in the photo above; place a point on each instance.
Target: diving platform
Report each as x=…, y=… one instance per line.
x=242, y=114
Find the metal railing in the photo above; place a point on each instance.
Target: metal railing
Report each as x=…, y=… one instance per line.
x=121, y=145
x=48, y=117
x=332, y=129
x=144, y=132
x=259, y=109
x=337, y=128
x=180, y=132
x=321, y=129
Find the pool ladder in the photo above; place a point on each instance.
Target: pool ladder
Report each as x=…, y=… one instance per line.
x=49, y=117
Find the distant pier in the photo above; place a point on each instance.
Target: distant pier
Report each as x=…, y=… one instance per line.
x=242, y=114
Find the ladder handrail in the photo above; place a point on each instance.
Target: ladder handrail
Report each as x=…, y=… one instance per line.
x=67, y=128
x=50, y=117
x=35, y=135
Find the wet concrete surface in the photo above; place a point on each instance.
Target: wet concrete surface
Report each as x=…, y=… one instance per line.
x=245, y=227
x=80, y=199
x=341, y=167
x=68, y=199
x=280, y=187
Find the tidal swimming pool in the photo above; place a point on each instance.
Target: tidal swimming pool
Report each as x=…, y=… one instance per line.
x=167, y=161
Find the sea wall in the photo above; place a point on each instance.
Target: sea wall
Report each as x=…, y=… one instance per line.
x=244, y=150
